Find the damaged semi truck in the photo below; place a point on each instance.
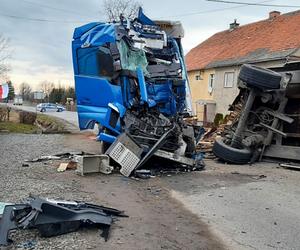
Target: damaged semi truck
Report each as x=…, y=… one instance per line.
x=130, y=80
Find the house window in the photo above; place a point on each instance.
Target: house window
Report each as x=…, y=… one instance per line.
x=198, y=77
x=211, y=80
x=228, y=79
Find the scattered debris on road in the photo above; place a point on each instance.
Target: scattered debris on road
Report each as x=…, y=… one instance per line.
x=290, y=166
x=207, y=141
x=44, y=158
x=118, y=158
x=59, y=156
x=55, y=217
x=67, y=165
x=87, y=164
x=2, y=206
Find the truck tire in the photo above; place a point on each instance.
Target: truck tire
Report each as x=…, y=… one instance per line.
x=259, y=77
x=232, y=155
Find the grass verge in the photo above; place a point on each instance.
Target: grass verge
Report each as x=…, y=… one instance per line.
x=13, y=127
x=49, y=123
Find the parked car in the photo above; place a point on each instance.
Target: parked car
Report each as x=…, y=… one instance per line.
x=43, y=107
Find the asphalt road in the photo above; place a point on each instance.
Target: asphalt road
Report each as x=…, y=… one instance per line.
x=69, y=116
x=248, y=207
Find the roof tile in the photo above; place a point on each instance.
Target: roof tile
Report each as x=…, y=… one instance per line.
x=271, y=35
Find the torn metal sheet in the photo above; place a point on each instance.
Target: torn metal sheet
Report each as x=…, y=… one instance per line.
x=59, y=156
x=44, y=158
x=126, y=152
x=2, y=206
x=53, y=217
x=87, y=164
x=176, y=158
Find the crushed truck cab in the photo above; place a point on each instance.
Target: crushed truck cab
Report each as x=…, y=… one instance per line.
x=130, y=77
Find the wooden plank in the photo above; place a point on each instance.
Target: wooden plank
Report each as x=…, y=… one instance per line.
x=290, y=166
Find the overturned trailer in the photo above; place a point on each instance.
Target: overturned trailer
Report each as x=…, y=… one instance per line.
x=130, y=78
x=269, y=124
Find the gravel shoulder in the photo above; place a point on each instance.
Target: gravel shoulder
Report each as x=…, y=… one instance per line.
x=157, y=221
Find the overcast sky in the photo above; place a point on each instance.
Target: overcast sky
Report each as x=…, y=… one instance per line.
x=42, y=49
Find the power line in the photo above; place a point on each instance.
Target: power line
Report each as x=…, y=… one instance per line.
x=256, y=4
x=181, y=15
x=213, y=10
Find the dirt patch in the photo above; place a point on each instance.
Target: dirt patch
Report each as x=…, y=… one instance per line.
x=156, y=221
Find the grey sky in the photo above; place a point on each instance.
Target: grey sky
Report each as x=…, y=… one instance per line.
x=42, y=50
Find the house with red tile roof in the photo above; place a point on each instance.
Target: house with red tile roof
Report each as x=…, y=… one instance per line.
x=214, y=64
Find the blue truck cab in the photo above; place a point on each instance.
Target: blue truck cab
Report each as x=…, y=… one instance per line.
x=131, y=76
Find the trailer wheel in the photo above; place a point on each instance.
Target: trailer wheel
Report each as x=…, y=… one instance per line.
x=258, y=77
x=229, y=154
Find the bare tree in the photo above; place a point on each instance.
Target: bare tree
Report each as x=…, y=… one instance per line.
x=115, y=8
x=25, y=91
x=46, y=87
x=4, y=54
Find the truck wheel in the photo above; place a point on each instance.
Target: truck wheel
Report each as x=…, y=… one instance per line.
x=258, y=77
x=232, y=155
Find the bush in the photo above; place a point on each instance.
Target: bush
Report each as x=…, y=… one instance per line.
x=218, y=119
x=3, y=114
x=27, y=117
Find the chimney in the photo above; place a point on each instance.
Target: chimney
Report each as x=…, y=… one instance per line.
x=273, y=14
x=234, y=25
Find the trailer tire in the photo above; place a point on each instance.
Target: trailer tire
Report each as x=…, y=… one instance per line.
x=232, y=155
x=259, y=77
